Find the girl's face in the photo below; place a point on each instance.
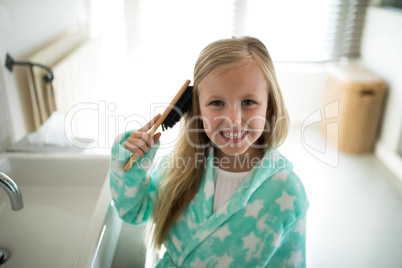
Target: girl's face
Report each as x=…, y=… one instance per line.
x=233, y=108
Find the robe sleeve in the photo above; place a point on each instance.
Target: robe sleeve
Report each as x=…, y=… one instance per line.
x=292, y=249
x=134, y=191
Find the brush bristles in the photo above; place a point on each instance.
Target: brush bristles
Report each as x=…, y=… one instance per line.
x=181, y=107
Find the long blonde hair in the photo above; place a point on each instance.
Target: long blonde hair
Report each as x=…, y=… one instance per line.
x=178, y=187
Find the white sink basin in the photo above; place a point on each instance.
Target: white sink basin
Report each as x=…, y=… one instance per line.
x=66, y=210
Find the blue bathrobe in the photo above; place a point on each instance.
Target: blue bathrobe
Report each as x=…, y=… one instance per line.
x=261, y=225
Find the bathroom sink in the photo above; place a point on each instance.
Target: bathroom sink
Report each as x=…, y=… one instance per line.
x=67, y=210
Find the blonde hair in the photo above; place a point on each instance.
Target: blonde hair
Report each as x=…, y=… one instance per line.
x=178, y=187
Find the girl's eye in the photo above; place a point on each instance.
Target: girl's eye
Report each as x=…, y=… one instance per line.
x=216, y=103
x=247, y=102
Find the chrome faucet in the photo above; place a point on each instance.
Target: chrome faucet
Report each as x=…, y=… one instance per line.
x=12, y=191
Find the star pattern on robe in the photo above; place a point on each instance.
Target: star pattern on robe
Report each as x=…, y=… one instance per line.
x=261, y=224
x=203, y=234
x=131, y=192
x=301, y=227
x=177, y=243
x=224, y=261
x=190, y=224
x=116, y=168
x=295, y=258
x=281, y=176
x=119, y=138
x=254, y=208
x=222, y=232
x=285, y=201
x=122, y=212
x=250, y=243
x=146, y=163
x=199, y=264
x=255, y=187
x=115, y=195
x=119, y=181
x=186, y=220
x=209, y=189
x=193, y=201
x=222, y=210
x=278, y=238
x=140, y=217
x=181, y=218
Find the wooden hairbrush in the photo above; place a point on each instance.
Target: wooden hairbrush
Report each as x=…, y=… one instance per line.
x=177, y=108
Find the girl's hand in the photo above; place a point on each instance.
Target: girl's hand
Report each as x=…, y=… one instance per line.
x=140, y=141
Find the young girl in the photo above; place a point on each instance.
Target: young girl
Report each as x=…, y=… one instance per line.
x=225, y=197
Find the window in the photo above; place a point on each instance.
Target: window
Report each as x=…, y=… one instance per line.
x=309, y=30
x=293, y=30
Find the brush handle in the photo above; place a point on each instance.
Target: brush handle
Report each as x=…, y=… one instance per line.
x=133, y=158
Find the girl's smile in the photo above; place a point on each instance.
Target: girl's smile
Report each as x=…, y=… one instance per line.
x=233, y=105
x=233, y=136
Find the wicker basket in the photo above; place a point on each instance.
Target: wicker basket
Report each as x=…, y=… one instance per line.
x=358, y=96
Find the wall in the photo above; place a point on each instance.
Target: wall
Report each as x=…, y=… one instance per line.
x=6, y=131
x=303, y=87
x=382, y=52
x=25, y=27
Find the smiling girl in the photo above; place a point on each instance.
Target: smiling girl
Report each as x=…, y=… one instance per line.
x=237, y=202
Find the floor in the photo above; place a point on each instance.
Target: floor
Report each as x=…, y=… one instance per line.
x=355, y=214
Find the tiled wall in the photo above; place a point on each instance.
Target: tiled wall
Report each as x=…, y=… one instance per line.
x=6, y=131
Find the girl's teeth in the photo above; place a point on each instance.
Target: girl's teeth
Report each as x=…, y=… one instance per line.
x=233, y=136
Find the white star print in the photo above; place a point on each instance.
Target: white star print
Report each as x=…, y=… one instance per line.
x=198, y=263
x=222, y=232
x=224, y=261
x=186, y=221
x=118, y=170
x=177, y=243
x=278, y=238
x=254, y=208
x=255, y=187
x=139, y=217
x=250, y=243
x=295, y=258
x=119, y=138
x=222, y=210
x=261, y=223
x=240, y=189
x=190, y=223
x=122, y=212
x=285, y=201
x=258, y=253
x=181, y=218
x=203, y=234
x=114, y=194
x=301, y=227
x=131, y=192
x=281, y=176
x=209, y=189
x=193, y=201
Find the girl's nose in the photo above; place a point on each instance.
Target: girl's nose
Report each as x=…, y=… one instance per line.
x=235, y=115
